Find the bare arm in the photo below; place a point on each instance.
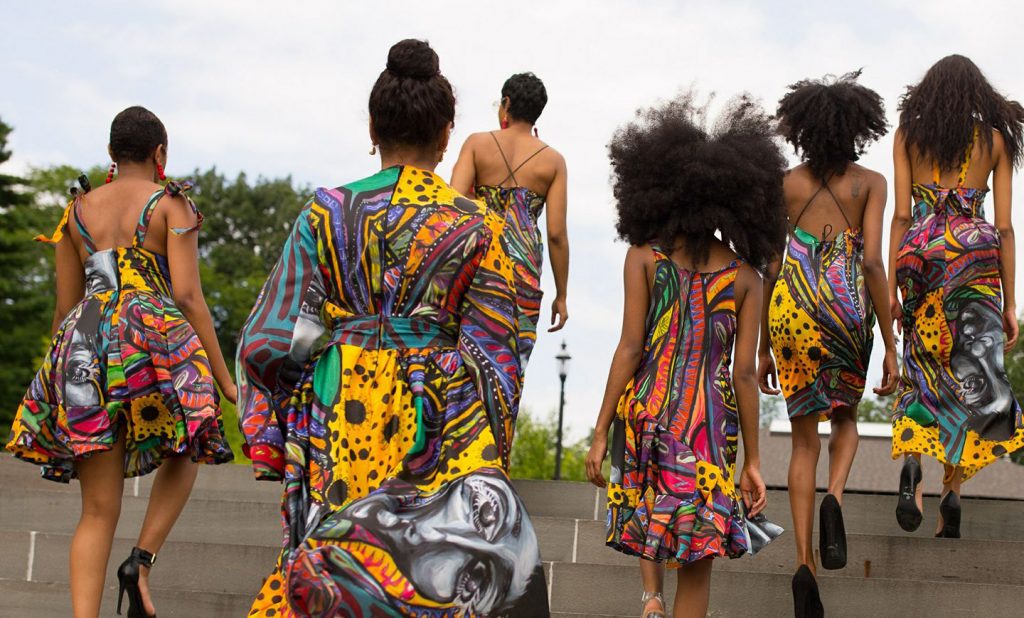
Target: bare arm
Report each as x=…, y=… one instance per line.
x=558, y=243
x=744, y=380
x=183, y=260
x=1002, y=185
x=900, y=220
x=627, y=354
x=464, y=172
x=874, y=276
x=767, y=378
x=70, y=281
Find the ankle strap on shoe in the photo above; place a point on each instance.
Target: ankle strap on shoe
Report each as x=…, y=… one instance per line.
x=143, y=557
x=647, y=596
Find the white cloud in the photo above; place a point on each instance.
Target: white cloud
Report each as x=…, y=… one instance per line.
x=277, y=89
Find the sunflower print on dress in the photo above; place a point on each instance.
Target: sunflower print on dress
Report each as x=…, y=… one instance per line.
x=379, y=377
x=955, y=402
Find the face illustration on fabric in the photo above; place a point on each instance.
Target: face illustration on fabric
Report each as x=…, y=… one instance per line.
x=80, y=386
x=977, y=361
x=468, y=546
x=100, y=273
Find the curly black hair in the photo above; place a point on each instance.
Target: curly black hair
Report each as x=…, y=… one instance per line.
x=412, y=102
x=676, y=179
x=939, y=114
x=135, y=134
x=526, y=95
x=831, y=121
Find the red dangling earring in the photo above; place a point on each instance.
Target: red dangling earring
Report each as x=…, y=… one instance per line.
x=504, y=123
x=160, y=172
x=110, y=172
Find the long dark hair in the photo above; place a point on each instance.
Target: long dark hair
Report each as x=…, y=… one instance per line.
x=675, y=177
x=939, y=114
x=831, y=121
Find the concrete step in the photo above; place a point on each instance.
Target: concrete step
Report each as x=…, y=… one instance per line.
x=46, y=600
x=868, y=555
x=591, y=589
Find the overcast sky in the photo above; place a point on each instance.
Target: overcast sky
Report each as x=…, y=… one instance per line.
x=277, y=89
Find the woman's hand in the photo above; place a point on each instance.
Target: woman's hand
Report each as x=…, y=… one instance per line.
x=595, y=459
x=752, y=489
x=767, y=379
x=230, y=392
x=896, y=311
x=1010, y=326
x=559, y=314
x=890, y=369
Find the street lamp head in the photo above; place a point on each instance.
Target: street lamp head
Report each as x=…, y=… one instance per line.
x=563, y=362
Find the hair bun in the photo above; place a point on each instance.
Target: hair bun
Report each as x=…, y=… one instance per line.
x=413, y=58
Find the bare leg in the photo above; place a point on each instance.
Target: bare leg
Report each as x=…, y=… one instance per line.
x=842, y=447
x=102, y=479
x=802, y=467
x=171, y=489
x=951, y=481
x=693, y=590
x=652, y=574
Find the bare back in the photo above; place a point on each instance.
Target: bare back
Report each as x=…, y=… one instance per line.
x=512, y=159
x=111, y=214
x=980, y=166
x=825, y=209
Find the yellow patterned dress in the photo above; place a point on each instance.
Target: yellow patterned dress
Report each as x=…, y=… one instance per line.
x=955, y=402
x=379, y=378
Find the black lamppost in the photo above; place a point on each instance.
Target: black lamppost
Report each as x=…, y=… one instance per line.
x=563, y=370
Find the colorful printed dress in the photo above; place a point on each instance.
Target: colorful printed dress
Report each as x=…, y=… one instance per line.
x=379, y=378
x=126, y=357
x=955, y=402
x=671, y=495
x=521, y=209
x=820, y=320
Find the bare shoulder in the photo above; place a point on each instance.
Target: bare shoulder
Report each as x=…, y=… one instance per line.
x=747, y=278
x=640, y=254
x=874, y=180
x=998, y=144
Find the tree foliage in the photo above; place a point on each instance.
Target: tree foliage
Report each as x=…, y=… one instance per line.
x=533, y=452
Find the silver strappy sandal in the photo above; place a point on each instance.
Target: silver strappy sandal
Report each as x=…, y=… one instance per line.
x=652, y=596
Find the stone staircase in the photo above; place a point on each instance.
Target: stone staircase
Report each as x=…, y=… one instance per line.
x=229, y=534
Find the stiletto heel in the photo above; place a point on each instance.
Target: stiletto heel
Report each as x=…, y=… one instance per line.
x=907, y=513
x=949, y=508
x=128, y=581
x=832, y=534
x=806, y=600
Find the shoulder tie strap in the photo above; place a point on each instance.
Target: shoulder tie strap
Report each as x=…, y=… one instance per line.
x=804, y=209
x=839, y=204
x=527, y=160
x=144, y=217
x=87, y=241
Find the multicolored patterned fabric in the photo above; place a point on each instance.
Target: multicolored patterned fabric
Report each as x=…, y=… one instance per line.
x=671, y=495
x=522, y=241
x=379, y=378
x=125, y=356
x=955, y=402
x=820, y=322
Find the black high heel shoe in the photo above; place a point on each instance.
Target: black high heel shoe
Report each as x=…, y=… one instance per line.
x=949, y=508
x=806, y=600
x=831, y=534
x=907, y=513
x=128, y=581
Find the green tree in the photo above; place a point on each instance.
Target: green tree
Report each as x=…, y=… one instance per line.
x=875, y=409
x=26, y=287
x=533, y=450
x=1015, y=373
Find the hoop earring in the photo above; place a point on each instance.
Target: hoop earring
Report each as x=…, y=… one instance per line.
x=373, y=149
x=110, y=173
x=160, y=172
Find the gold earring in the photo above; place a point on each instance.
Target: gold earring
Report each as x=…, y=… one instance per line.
x=373, y=149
